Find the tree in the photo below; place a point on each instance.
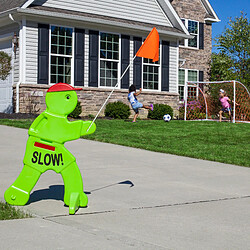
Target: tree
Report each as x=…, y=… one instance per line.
x=221, y=67
x=234, y=43
x=5, y=65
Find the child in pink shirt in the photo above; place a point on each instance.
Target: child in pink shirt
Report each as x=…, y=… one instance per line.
x=226, y=107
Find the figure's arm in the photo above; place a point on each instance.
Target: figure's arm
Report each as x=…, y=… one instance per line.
x=237, y=104
x=38, y=122
x=138, y=93
x=74, y=130
x=85, y=126
x=233, y=102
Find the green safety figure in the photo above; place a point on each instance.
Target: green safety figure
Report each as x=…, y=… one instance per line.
x=45, y=149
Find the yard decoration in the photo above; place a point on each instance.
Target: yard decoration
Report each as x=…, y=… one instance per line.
x=45, y=149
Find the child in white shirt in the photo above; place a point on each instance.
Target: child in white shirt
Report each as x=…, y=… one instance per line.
x=132, y=94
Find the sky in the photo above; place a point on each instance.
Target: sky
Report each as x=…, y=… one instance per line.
x=226, y=9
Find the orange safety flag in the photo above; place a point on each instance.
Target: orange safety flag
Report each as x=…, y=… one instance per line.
x=150, y=48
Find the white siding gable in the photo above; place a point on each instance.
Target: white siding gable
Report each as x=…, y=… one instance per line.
x=147, y=11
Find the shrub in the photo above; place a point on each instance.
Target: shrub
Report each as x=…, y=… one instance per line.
x=195, y=110
x=159, y=111
x=117, y=110
x=77, y=111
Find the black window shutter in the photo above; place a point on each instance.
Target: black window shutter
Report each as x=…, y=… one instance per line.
x=43, y=54
x=165, y=66
x=125, y=44
x=79, y=57
x=93, y=58
x=201, y=35
x=137, y=72
x=201, y=78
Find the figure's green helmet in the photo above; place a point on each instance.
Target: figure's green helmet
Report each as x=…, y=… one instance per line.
x=61, y=99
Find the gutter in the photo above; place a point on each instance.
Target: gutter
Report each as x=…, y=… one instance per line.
x=4, y=13
x=212, y=20
x=19, y=82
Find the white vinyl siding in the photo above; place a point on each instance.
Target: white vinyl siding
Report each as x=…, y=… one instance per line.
x=31, y=54
x=137, y=10
x=16, y=66
x=173, y=67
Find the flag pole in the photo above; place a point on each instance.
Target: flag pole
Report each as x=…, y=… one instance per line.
x=125, y=71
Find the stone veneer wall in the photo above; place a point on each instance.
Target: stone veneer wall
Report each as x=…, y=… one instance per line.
x=32, y=99
x=195, y=58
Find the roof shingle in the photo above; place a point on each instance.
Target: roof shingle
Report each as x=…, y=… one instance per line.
x=10, y=4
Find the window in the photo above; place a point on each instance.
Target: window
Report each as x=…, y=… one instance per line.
x=151, y=74
x=61, y=54
x=192, y=76
x=181, y=83
x=109, y=59
x=193, y=29
x=184, y=76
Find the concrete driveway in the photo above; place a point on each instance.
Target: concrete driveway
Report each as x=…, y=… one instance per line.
x=137, y=200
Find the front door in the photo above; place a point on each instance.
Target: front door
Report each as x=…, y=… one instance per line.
x=6, y=104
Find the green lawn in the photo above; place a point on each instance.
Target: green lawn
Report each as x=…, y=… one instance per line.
x=16, y=123
x=222, y=142
x=8, y=212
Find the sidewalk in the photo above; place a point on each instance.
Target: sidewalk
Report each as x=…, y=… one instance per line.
x=137, y=200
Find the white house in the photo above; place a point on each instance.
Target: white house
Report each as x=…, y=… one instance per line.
x=87, y=43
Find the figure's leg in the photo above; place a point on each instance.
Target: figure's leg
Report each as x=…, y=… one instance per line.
x=136, y=110
x=135, y=117
x=220, y=114
x=73, y=188
x=148, y=107
x=19, y=192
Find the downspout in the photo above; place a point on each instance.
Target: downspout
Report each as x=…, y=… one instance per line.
x=20, y=64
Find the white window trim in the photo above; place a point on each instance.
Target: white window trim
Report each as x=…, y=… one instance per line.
x=111, y=60
x=186, y=80
x=186, y=40
x=159, y=77
x=72, y=56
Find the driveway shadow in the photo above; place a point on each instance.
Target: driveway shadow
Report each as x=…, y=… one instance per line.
x=56, y=192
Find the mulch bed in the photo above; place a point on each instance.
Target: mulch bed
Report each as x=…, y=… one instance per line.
x=17, y=116
x=33, y=116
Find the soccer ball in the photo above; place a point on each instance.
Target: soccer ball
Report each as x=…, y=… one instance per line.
x=167, y=118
